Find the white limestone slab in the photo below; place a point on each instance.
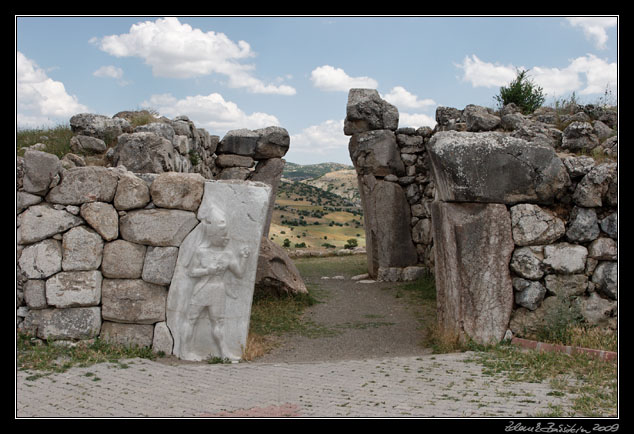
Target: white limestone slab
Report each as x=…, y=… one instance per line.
x=209, y=300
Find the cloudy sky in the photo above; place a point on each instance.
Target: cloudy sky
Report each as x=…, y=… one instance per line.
x=227, y=73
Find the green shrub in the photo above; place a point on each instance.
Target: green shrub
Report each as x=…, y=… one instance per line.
x=523, y=92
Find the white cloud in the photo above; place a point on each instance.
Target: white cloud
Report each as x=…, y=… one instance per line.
x=176, y=50
x=416, y=120
x=594, y=28
x=211, y=112
x=111, y=72
x=401, y=97
x=330, y=78
x=321, y=139
x=486, y=74
x=586, y=75
x=41, y=100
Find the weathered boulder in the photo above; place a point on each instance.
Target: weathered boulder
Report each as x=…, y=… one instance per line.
x=241, y=142
x=159, y=263
x=273, y=143
x=566, y=285
x=144, y=152
x=473, y=244
x=565, y=258
x=87, y=145
x=376, y=152
x=583, y=225
x=478, y=118
x=133, y=301
x=606, y=278
x=528, y=293
x=366, y=111
x=123, y=260
x=43, y=221
x=40, y=169
x=103, y=218
x=494, y=167
x=595, y=309
x=132, y=192
x=276, y=273
x=598, y=187
x=178, y=190
x=533, y=225
x=74, y=289
x=84, y=184
x=579, y=136
x=99, y=126
x=70, y=323
x=526, y=262
x=140, y=335
x=157, y=227
x=82, y=249
x=35, y=294
x=42, y=259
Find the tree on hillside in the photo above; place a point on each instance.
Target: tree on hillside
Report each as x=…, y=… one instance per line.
x=523, y=92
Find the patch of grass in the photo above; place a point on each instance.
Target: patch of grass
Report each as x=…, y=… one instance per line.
x=33, y=354
x=56, y=139
x=348, y=265
x=271, y=315
x=591, y=383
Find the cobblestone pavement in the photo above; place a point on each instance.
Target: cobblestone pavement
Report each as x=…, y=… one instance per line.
x=447, y=385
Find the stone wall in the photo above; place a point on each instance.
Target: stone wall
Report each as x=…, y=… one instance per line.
x=511, y=212
x=96, y=246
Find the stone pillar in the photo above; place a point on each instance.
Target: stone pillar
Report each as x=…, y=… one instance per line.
x=473, y=245
x=209, y=300
x=476, y=176
x=371, y=122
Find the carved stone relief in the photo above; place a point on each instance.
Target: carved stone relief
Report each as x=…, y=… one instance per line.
x=209, y=301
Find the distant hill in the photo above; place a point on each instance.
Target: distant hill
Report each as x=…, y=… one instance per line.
x=317, y=207
x=300, y=172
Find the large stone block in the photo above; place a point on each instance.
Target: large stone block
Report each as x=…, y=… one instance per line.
x=178, y=190
x=495, y=168
x=84, y=184
x=140, y=335
x=366, y=111
x=376, y=153
x=82, y=249
x=133, y=301
x=43, y=221
x=473, y=245
x=157, y=227
x=74, y=289
x=145, y=152
x=387, y=225
x=71, y=323
x=209, y=300
x=39, y=170
x=41, y=260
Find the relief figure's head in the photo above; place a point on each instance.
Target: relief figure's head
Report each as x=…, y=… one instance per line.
x=216, y=228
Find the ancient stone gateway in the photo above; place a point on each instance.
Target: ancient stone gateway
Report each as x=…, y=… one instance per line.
x=464, y=201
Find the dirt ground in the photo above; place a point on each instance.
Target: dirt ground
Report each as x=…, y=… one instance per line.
x=354, y=320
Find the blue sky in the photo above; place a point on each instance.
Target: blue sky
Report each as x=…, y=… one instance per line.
x=235, y=72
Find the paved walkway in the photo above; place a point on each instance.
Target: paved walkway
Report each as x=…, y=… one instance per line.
x=446, y=385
